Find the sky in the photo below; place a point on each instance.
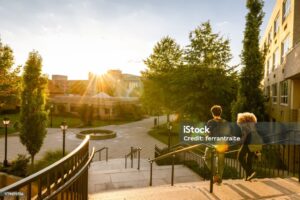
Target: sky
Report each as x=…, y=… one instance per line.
x=80, y=36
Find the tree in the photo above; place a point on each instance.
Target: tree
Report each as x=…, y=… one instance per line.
x=204, y=79
x=189, y=82
x=33, y=116
x=9, y=80
x=207, y=49
x=166, y=57
x=250, y=96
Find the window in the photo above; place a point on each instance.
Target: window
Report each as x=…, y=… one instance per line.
x=284, y=92
x=274, y=93
x=286, y=9
x=267, y=91
x=285, y=46
x=268, y=67
x=276, y=26
x=270, y=37
x=276, y=60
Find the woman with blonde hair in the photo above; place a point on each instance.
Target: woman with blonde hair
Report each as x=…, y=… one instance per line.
x=247, y=122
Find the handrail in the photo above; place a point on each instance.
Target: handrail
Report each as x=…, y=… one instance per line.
x=173, y=154
x=179, y=151
x=132, y=153
x=39, y=175
x=99, y=152
x=74, y=178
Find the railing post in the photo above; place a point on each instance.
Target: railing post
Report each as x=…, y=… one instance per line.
x=151, y=165
x=139, y=157
x=212, y=171
x=298, y=163
x=131, y=156
x=99, y=152
x=172, y=175
x=106, y=154
x=125, y=161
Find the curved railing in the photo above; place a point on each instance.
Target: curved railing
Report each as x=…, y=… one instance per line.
x=67, y=177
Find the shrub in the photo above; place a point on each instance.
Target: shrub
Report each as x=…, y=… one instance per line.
x=49, y=158
x=19, y=166
x=17, y=126
x=128, y=112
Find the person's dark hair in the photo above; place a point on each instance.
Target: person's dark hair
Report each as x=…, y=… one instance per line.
x=216, y=110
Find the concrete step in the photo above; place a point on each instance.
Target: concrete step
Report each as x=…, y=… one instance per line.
x=112, y=175
x=229, y=190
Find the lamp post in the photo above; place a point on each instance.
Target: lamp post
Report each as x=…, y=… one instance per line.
x=169, y=134
x=5, y=122
x=51, y=114
x=64, y=127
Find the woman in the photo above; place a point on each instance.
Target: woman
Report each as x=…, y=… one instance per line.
x=246, y=121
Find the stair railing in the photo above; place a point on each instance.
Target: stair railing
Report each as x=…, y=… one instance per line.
x=132, y=154
x=99, y=152
x=183, y=150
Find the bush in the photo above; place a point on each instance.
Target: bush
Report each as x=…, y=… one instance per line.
x=19, y=166
x=230, y=173
x=49, y=158
x=204, y=172
x=128, y=112
x=17, y=126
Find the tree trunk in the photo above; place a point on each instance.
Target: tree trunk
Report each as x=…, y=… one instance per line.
x=32, y=160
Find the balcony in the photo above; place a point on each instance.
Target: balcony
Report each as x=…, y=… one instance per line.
x=292, y=64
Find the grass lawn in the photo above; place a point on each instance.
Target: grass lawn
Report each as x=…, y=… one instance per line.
x=72, y=122
x=162, y=134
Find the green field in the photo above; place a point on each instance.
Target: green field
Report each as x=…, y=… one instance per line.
x=72, y=122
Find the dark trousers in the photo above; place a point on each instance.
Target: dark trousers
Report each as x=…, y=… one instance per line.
x=245, y=157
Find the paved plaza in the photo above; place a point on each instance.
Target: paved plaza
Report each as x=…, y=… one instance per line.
x=130, y=134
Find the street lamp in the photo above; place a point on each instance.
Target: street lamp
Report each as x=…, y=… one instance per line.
x=5, y=122
x=169, y=139
x=64, y=127
x=51, y=113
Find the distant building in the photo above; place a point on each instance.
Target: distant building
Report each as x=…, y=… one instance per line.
x=69, y=95
x=282, y=63
x=113, y=82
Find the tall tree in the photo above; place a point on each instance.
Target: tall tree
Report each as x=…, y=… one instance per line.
x=166, y=57
x=9, y=80
x=205, y=79
x=207, y=49
x=33, y=97
x=250, y=95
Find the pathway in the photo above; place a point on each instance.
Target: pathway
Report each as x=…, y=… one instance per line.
x=130, y=134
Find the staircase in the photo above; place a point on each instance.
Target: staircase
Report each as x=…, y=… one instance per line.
x=112, y=175
x=277, y=188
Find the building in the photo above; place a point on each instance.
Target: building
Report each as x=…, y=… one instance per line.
x=105, y=93
x=114, y=82
x=282, y=63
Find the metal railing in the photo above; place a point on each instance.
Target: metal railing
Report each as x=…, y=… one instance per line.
x=286, y=149
x=132, y=154
x=67, y=177
x=99, y=151
x=182, y=150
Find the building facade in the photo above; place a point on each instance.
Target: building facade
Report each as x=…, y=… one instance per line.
x=70, y=95
x=282, y=62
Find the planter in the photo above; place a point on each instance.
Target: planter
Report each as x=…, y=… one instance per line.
x=97, y=134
